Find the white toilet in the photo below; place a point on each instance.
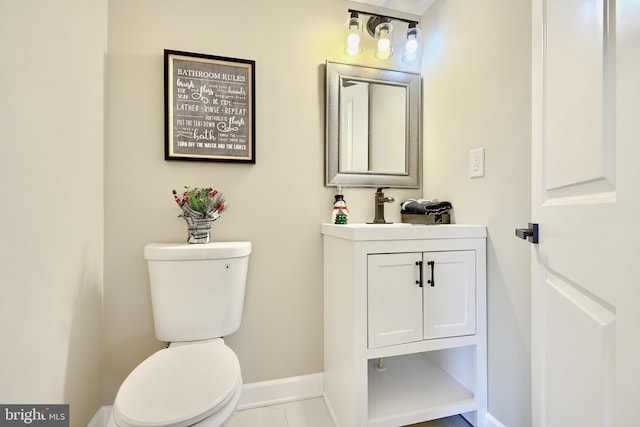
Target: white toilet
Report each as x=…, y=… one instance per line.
x=197, y=293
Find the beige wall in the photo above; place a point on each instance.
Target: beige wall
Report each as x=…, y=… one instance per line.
x=51, y=221
x=477, y=94
x=278, y=203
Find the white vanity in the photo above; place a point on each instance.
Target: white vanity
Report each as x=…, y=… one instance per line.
x=404, y=323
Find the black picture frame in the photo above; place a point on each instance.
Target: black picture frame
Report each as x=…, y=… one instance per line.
x=209, y=108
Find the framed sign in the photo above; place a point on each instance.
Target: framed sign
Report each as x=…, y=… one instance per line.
x=209, y=108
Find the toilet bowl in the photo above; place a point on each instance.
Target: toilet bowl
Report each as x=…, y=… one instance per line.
x=188, y=384
x=197, y=295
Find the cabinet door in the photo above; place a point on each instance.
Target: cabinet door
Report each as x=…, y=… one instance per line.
x=449, y=294
x=394, y=299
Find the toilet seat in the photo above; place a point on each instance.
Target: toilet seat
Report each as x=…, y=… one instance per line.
x=178, y=386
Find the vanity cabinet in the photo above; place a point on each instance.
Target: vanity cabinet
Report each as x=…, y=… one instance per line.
x=404, y=323
x=417, y=296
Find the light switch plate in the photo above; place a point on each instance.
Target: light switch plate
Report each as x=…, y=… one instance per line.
x=476, y=163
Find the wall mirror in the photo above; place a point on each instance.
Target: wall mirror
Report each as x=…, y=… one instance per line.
x=373, y=135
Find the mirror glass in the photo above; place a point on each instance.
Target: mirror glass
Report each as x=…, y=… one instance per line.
x=373, y=130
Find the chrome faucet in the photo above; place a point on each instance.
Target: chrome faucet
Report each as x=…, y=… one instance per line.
x=380, y=200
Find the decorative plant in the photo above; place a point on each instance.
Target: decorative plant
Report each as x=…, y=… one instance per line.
x=197, y=202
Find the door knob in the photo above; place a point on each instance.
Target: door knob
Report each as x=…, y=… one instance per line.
x=530, y=234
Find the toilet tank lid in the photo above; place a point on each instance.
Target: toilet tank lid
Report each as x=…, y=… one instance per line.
x=186, y=251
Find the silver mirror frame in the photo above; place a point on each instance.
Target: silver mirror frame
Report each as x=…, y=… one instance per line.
x=335, y=73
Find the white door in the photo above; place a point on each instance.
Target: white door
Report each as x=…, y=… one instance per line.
x=586, y=200
x=354, y=122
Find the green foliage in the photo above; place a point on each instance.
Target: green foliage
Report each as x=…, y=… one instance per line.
x=205, y=200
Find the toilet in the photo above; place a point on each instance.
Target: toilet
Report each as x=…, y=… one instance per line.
x=197, y=295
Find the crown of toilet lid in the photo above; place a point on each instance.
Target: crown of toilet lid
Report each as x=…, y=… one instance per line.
x=186, y=251
x=178, y=386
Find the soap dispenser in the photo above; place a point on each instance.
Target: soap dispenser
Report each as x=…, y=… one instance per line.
x=340, y=212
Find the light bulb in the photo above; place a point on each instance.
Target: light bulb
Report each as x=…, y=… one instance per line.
x=354, y=29
x=384, y=34
x=384, y=44
x=412, y=45
x=353, y=44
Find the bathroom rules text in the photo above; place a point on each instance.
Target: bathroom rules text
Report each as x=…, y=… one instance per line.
x=209, y=107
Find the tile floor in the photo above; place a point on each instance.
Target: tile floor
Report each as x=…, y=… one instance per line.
x=309, y=413
x=304, y=413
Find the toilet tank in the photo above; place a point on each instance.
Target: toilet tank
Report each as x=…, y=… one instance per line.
x=197, y=290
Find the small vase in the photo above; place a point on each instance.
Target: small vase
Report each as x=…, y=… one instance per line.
x=199, y=230
x=198, y=224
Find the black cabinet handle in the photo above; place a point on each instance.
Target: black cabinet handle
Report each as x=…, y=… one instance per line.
x=432, y=281
x=419, y=282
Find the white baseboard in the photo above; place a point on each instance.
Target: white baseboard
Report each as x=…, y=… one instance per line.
x=492, y=422
x=255, y=395
x=282, y=390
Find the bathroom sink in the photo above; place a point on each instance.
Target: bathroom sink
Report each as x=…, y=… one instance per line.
x=402, y=231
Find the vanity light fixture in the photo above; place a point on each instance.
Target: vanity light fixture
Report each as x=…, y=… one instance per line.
x=412, y=45
x=384, y=35
x=353, y=45
x=380, y=28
